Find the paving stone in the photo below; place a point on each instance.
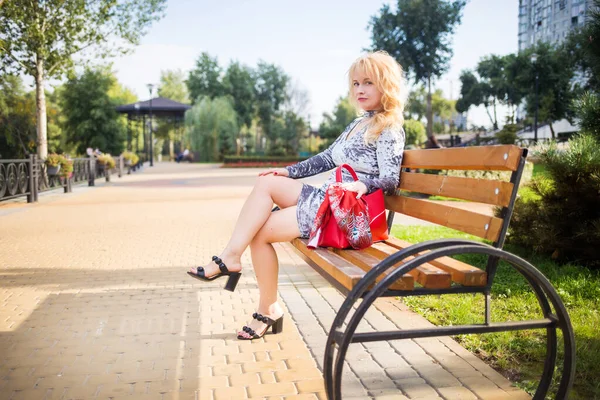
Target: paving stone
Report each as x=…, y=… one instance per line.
x=458, y=393
x=238, y=380
x=295, y=375
x=416, y=388
x=310, y=385
x=271, y=389
x=230, y=393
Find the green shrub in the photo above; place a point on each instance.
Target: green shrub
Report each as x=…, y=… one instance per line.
x=508, y=134
x=107, y=160
x=131, y=157
x=54, y=160
x=588, y=110
x=66, y=165
x=561, y=216
x=66, y=168
x=415, y=133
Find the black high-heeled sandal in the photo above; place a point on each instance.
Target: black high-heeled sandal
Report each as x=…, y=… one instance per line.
x=232, y=282
x=277, y=326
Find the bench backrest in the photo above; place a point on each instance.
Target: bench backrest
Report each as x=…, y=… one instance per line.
x=424, y=171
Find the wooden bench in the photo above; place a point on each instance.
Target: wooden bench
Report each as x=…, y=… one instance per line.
x=398, y=268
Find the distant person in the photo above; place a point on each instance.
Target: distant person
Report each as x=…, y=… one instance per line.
x=183, y=155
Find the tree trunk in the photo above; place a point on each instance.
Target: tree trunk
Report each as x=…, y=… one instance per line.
x=495, y=115
x=40, y=97
x=171, y=149
x=552, y=130
x=429, y=112
x=432, y=143
x=487, y=110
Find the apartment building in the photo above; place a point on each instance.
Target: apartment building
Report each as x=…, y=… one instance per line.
x=550, y=20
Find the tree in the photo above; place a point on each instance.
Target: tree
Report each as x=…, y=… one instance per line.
x=271, y=92
x=239, y=83
x=172, y=86
x=442, y=107
x=554, y=72
x=583, y=47
x=294, y=129
x=417, y=104
x=211, y=127
x=205, y=78
x=496, y=82
x=40, y=38
x=470, y=93
x=514, y=91
x=418, y=36
x=333, y=125
x=90, y=117
x=17, y=118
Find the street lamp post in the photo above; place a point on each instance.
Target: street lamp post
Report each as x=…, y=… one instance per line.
x=137, y=121
x=150, y=87
x=535, y=118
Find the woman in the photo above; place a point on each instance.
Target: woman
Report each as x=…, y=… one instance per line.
x=372, y=144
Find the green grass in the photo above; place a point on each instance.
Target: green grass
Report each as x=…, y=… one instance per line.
x=442, y=198
x=539, y=169
x=519, y=355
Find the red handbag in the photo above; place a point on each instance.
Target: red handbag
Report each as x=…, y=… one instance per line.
x=342, y=219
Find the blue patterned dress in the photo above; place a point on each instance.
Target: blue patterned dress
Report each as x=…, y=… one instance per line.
x=377, y=165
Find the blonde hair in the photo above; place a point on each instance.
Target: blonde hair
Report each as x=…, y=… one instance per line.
x=388, y=77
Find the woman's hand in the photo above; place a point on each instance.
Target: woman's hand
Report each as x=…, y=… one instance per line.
x=275, y=171
x=356, y=186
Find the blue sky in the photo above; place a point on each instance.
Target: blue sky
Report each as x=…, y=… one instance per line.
x=313, y=41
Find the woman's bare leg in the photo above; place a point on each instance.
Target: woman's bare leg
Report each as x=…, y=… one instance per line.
x=280, y=190
x=282, y=226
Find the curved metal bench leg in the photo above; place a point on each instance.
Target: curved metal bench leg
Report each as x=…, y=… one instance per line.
x=545, y=293
x=359, y=290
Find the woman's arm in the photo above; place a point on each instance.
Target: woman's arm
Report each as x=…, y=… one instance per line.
x=390, y=146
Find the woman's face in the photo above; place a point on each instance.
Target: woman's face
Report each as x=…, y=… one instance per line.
x=365, y=92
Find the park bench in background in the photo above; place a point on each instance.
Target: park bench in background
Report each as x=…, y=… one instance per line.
x=399, y=268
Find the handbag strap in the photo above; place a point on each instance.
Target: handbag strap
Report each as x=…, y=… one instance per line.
x=338, y=172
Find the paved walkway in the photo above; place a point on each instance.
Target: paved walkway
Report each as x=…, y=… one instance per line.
x=95, y=303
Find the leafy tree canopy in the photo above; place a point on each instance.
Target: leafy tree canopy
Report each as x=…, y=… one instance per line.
x=90, y=117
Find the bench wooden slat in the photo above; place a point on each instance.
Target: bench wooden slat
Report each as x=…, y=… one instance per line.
x=461, y=272
x=426, y=274
x=366, y=261
x=498, y=158
x=484, y=226
x=339, y=269
x=480, y=190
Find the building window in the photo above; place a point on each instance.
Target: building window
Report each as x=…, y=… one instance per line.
x=574, y=21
